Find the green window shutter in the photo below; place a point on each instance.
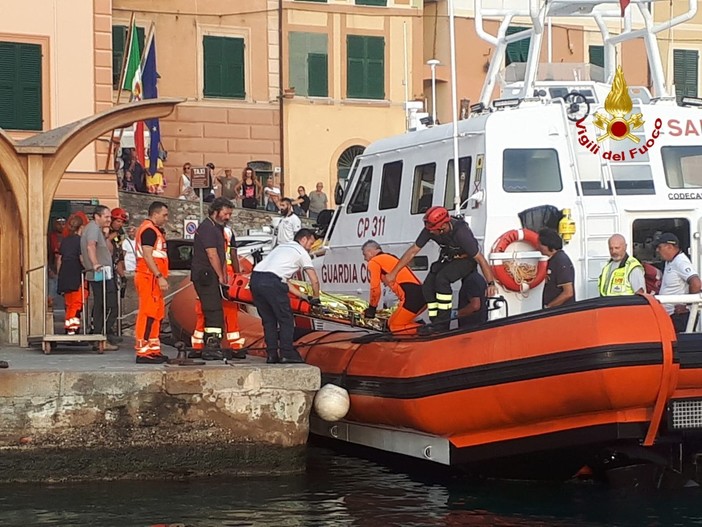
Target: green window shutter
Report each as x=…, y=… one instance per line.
x=685, y=72
x=20, y=86
x=355, y=69
x=298, y=67
x=224, y=67
x=372, y=2
x=318, y=75
x=119, y=41
x=365, y=67
x=376, y=68
x=517, y=51
x=596, y=55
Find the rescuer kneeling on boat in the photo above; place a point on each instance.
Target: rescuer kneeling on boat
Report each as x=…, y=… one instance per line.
x=458, y=257
x=559, y=288
x=270, y=286
x=407, y=288
x=623, y=274
x=679, y=278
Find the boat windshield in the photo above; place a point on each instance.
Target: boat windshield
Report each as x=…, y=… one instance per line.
x=682, y=166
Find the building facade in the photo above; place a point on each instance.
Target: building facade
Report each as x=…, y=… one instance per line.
x=348, y=69
x=55, y=68
x=223, y=57
x=574, y=40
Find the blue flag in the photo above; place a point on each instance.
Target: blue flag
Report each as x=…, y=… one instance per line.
x=149, y=78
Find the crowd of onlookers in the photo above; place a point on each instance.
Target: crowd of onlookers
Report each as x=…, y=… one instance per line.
x=246, y=192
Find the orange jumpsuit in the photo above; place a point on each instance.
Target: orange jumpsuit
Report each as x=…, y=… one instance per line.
x=231, y=338
x=152, y=306
x=407, y=288
x=74, y=305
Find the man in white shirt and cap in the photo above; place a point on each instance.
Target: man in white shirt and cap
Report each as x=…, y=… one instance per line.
x=270, y=286
x=679, y=277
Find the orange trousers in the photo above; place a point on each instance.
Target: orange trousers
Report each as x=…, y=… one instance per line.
x=74, y=305
x=152, y=308
x=230, y=339
x=402, y=320
x=412, y=304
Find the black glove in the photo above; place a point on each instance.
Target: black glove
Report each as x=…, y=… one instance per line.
x=370, y=312
x=123, y=282
x=314, y=302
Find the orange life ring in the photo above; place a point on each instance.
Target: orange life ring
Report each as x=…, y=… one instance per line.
x=500, y=271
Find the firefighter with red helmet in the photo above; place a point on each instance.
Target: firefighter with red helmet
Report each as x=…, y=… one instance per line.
x=459, y=256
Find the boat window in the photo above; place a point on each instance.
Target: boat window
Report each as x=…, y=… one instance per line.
x=631, y=179
x=531, y=170
x=682, y=166
x=390, y=185
x=464, y=164
x=423, y=188
x=361, y=194
x=645, y=230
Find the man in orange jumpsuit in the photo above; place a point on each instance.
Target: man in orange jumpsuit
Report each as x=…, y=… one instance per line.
x=150, y=283
x=232, y=339
x=407, y=288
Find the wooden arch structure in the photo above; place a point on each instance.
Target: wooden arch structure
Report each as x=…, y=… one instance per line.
x=30, y=172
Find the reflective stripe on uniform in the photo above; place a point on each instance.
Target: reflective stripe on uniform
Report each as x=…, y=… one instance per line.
x=233, y=335
x=432, y=308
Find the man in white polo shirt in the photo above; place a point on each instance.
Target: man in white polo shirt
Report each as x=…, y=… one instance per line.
x=270, y=286
x=290, y=223
x=679, y=277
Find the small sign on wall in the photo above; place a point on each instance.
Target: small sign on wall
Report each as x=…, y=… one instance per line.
x=189, y=228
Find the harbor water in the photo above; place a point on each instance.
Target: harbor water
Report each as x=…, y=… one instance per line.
x=342, y=490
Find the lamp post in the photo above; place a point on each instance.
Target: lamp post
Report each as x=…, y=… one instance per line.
x=433, y=63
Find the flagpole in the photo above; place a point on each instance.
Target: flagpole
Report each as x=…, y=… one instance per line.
x=454, y=104
x=122, y=74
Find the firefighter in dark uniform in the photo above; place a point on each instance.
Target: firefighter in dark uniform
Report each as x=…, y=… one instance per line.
x=459, y=256
x=208, y=273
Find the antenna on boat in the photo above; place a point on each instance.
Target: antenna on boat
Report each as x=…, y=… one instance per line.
x=454, y=108
x=404, y=81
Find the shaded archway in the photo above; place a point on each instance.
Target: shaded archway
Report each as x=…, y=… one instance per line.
x=32, y=168
x=345, y=162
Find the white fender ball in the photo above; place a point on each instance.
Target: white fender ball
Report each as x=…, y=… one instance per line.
x=332, y=402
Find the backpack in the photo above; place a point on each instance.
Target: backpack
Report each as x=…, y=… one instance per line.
x=653, y=277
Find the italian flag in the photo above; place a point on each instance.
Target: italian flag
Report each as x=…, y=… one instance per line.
x=132, y=82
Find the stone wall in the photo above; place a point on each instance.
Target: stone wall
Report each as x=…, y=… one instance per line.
x=117, y=421
x=138, y=204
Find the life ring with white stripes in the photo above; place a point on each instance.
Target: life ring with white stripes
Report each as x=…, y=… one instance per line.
x=500, y=271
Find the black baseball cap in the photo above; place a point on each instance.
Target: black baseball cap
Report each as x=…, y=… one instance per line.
x=667, y=237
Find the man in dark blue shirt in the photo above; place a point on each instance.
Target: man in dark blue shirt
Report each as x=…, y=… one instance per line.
x=208, y=270
x=559, y=288
x=472, y=302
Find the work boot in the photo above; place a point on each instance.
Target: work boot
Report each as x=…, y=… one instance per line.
x=195, y=354
x=213, y=350
x=230, y=353
x=151, y=359
x=292, y=358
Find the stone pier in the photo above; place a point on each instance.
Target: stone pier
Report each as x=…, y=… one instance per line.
x=75, y=415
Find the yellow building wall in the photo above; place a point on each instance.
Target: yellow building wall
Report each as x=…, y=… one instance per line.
x=317, y=134
x=226, y=132
x=65, y=28
x=318, y=130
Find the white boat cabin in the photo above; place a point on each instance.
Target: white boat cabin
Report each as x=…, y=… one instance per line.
x=540, y=144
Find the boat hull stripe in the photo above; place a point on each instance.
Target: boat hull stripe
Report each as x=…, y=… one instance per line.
x=563, y=363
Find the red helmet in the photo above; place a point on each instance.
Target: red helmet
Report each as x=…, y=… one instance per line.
x=436, y=217
x=120, y=214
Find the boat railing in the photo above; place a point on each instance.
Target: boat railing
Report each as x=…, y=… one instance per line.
x=693, y=301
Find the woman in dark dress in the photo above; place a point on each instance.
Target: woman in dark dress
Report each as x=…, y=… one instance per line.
x=249, y=188
x=69, y=267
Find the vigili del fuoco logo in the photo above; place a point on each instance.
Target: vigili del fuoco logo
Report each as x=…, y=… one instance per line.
x=617, y=123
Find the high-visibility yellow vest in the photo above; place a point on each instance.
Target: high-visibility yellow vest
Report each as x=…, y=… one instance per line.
x=618, y=279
